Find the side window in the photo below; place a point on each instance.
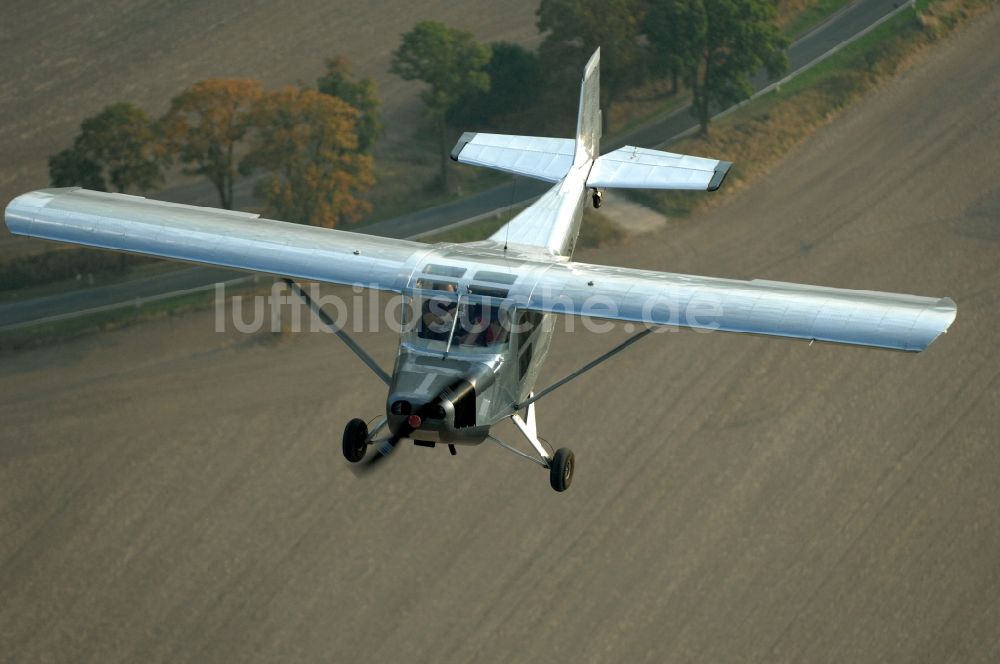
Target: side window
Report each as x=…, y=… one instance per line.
x=526, y=324
x=525, y=360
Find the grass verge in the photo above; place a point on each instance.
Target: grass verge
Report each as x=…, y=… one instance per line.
x=101, y=321
x=757, y=135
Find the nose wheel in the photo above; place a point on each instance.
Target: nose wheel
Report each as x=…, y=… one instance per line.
x=355, y=440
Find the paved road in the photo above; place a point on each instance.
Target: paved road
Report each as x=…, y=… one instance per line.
x=840, y=27
x=173, y=494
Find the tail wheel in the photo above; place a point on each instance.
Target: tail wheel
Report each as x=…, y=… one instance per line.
x=561, y=469
x=355, y=440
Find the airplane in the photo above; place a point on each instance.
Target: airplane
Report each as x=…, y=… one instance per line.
x=481, y=315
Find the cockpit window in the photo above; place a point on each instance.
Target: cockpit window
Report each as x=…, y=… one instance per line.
x=466, y=322
x=480, y=324
x=437, y=318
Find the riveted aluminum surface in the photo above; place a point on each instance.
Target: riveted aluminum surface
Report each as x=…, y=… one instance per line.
x=207, y=235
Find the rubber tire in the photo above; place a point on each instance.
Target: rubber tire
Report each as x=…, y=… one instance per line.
x=355, y=440
x=561, y=469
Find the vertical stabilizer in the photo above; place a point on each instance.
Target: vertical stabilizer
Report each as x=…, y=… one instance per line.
x=588, y=122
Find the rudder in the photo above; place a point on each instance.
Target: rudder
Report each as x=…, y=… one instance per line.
x=588, y=122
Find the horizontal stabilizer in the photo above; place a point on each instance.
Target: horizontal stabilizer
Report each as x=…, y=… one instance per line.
x=639, y=168
x=538, y=157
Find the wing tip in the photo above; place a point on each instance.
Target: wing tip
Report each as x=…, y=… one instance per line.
x=721, y=171
x=463, y=140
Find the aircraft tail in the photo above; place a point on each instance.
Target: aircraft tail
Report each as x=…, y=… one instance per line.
x=539, y=157
x=588, y=119
x=550, y=159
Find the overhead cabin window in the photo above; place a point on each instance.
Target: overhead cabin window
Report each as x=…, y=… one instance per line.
x=495, y=277
x=453, y=271
x=440, y=285
x=488, y=291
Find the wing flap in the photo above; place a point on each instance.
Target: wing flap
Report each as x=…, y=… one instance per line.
x=538, y=157
x=207, y=235
x=639, y=168
x=865, y=318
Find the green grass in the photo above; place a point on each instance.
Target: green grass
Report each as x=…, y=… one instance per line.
x=758, y=134
x=57, y=331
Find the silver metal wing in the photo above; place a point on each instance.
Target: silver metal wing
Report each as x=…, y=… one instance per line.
x=865, y=318
x=639, y=168
x=539, y=157
x=208, y=235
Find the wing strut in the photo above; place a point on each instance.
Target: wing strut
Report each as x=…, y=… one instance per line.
x=584, y=369
x=339, y=331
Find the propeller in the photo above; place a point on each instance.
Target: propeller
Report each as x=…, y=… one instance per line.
x=458, y=393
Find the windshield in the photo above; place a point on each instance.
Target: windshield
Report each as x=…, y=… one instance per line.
x=468, y=322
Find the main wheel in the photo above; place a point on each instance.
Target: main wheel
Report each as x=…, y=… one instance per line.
x=355, y=440
x=561, y=469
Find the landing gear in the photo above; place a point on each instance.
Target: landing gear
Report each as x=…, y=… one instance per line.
x=561, y=469
x=560, y=465
x=596, y=198
x=355, y=440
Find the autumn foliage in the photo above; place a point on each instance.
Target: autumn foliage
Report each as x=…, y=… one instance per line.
x=305, y=144
x=308, y=150
x=205, y=126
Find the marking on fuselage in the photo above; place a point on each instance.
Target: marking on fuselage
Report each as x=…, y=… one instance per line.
x=426, y=383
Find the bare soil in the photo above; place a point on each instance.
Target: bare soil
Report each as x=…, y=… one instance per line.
x=65, y=60
x=169, y=493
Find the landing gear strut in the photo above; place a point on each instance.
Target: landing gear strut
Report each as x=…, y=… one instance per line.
x=560, y=465
x=596, y=197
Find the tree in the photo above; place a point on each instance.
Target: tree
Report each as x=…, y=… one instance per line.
x=575, y=28
x=118, y=146
x=717, y=45
x=306, y=143
x=70, y=168
x=361, y=94
x=452, y=62
x=205, y=125
x=666, y=29
x=516, y=83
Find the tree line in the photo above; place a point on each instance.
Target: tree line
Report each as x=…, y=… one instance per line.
x=311, y=147
x=711, y=47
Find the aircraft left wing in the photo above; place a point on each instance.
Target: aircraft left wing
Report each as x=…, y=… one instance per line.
x=865, y=318
x=207, y=235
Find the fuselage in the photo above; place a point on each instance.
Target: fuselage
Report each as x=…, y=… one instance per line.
x=468, y=355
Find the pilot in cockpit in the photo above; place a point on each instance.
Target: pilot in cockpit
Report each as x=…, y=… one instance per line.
x=483, y=327
x=437, y=316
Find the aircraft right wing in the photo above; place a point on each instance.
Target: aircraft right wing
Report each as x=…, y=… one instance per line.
x=207, y=235
x=864, y=318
